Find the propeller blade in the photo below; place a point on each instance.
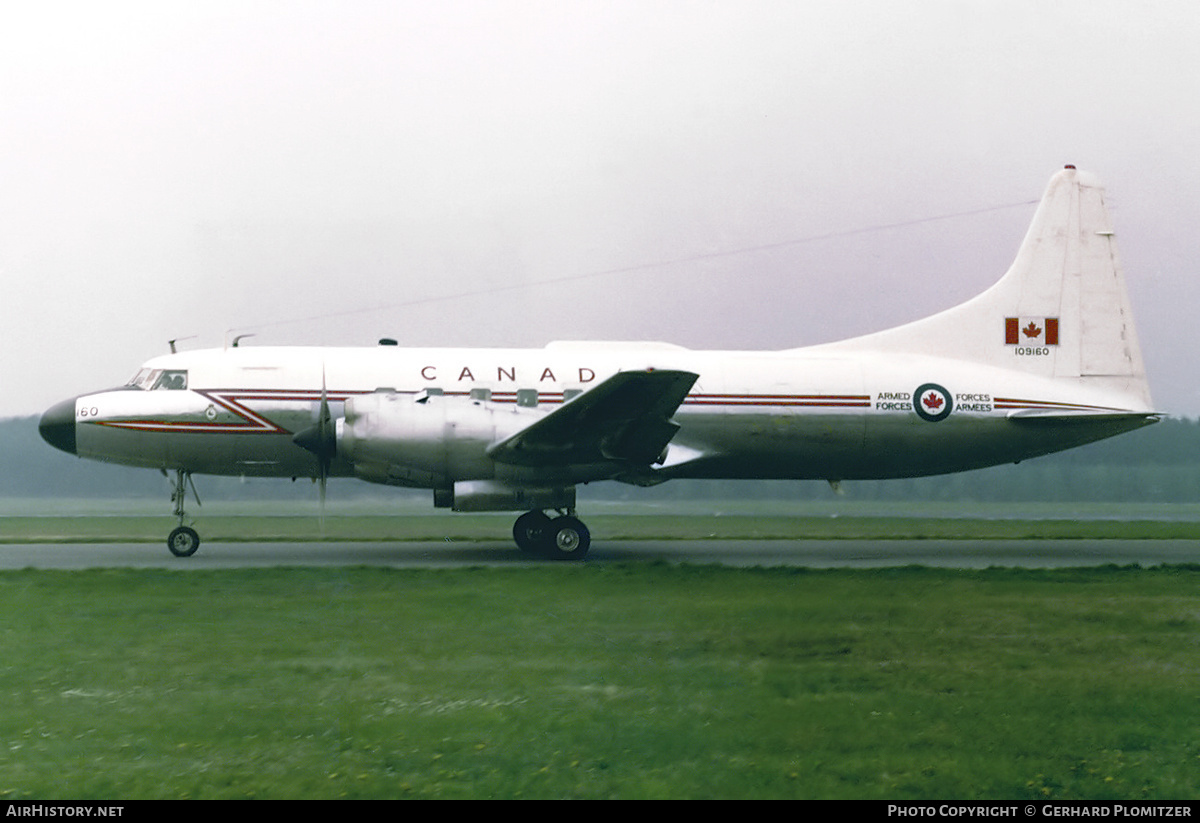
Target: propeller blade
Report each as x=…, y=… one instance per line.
x=328, y=441
x=321, y=440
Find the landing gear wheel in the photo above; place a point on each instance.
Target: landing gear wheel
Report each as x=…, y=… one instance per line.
x=566, y=538
x=529, y=531
x=183, y=542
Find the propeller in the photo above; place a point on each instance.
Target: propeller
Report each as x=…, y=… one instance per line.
x=321, y=440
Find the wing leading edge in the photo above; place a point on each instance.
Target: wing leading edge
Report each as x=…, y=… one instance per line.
x=627, y=418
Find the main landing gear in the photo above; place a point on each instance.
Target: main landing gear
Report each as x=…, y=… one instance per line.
x=184, y=540
x=558, y=538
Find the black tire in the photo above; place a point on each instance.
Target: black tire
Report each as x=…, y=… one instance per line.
x=528, y=531
x=566, y=538
x=183, y=542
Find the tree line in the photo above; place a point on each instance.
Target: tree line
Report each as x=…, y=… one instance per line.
x=1157, y=464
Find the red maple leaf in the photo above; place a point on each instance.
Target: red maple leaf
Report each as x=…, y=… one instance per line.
x=1031, y=330
x=933, y=401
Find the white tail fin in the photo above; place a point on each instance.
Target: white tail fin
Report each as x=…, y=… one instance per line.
x=1061, y=311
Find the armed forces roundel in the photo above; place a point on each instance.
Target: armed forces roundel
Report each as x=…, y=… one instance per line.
x=932, y=402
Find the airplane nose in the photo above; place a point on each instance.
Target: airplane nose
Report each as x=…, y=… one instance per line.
x=58, y=426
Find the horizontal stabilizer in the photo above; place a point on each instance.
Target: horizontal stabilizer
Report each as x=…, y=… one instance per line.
x=1083, y=414
x=627, y=418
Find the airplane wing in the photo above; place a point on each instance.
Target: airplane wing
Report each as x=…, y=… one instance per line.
x=626, y=418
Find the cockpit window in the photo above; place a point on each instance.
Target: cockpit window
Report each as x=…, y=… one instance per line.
x=171, y=380
x=158, y=379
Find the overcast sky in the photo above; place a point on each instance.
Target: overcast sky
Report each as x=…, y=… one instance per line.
x=508, y=173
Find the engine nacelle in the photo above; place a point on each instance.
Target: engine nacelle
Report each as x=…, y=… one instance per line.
x=496, y=496
x=426, y=441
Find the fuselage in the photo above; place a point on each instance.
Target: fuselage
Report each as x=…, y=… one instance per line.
x=802, y=414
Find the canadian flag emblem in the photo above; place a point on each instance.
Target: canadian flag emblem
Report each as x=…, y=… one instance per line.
x=1042, y=331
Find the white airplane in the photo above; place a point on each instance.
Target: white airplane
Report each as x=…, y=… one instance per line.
x=1044, y=360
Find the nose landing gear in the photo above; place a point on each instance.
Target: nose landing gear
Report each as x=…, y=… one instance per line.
x=183, y=540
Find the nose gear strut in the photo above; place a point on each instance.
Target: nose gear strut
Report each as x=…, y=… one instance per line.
x=184, y=540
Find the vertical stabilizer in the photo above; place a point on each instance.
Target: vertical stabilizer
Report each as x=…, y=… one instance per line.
x=1061, y=311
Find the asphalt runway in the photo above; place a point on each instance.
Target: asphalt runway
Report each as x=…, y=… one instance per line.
x=966, y=554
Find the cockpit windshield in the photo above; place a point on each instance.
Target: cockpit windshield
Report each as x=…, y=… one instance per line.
x=140, y=380
x=158, y=379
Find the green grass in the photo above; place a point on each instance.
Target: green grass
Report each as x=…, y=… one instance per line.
x=412, y=518
x=307, y=527
x=600, y=681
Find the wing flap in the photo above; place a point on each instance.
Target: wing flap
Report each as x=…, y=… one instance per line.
x=627, y=419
